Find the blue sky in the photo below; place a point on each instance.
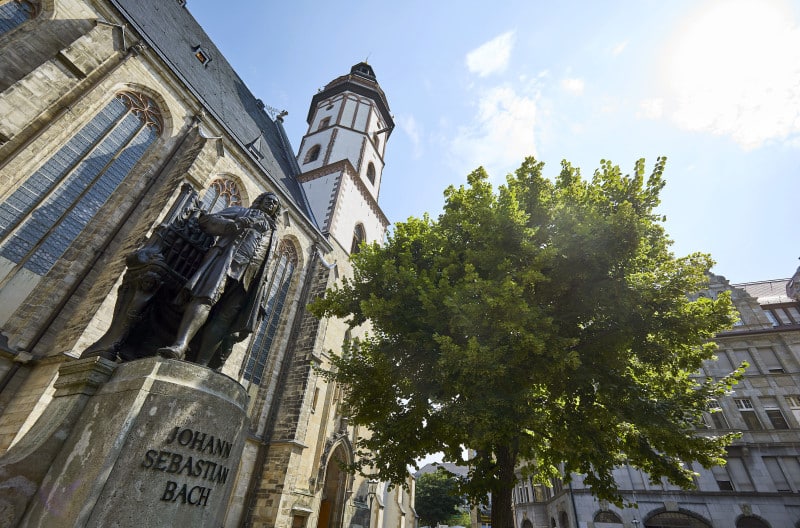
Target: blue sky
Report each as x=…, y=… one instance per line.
x=713, y=85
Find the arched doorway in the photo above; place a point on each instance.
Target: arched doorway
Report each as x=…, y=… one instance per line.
x=333, y=492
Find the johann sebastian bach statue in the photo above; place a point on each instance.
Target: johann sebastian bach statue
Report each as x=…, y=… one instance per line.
x=196, y=288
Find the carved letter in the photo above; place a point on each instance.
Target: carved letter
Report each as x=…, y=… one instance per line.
x=169, y=491
x=198, y=439
x=222, y=474
x=181, y=494
x=204, y=495
x=161, y=463
x=175, y=463
x=149, y=458
x=185, y=438
x=191, y=494
x=209, y=465
x=209, y=447
x=172, y=435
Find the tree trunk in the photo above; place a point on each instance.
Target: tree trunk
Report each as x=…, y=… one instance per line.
x=502, y=514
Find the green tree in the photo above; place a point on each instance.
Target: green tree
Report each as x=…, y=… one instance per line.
x=547, y=321
x=436, y=500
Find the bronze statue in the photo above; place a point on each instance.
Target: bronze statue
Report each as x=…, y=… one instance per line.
x=198, y=284
x=230, y=278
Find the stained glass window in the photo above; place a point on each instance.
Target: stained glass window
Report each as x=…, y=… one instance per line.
x=40, y=219
x=276, y=298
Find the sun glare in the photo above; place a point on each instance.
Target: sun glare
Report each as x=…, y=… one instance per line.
x=732, y=68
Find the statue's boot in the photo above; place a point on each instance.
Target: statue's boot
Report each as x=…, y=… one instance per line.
x=173, y=352
x=193, y=319
x=105, y=353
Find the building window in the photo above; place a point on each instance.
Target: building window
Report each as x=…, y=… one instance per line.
x=14, y=13
x=774, y=414
x=325, y=123
x=313, y=154
x=221, y=193
x=794, y=404
x=277, y=292
x=371, y=173
x=769, y=361
x=44, y=216
x=359, y=237
x=607, y=517
x=201, y=55
x=782, y=315
x=745, y=407
x=716, y=416
x=677, y=519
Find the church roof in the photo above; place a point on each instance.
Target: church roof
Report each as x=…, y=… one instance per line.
x=173, y=33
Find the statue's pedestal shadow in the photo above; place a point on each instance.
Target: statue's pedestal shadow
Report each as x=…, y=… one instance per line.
x=152, y=442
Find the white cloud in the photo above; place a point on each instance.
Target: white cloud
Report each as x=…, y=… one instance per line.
x=651, y=108
x=573, y=86
x=502, y=134
x=619, y=48
x=491, y=57
x=734, y=69
x=409, y=125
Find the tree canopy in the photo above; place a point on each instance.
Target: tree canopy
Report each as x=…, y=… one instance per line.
x=436, y=498
x=546, y=321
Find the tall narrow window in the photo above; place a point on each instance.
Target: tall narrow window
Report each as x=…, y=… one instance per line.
x=716, y=416
x=774, y=413
x=268, y=329
x=359, y=237
x=371, y=173
x=14, y=13
x=745, y=407
x=40, y=220
x=794, y=405
x=221, y=193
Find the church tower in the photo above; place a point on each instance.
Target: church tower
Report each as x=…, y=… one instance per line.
x=342, y=157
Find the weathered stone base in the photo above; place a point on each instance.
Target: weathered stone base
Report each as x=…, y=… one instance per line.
x=157, y=445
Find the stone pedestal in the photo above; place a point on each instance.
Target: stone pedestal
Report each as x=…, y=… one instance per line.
x=157, y=445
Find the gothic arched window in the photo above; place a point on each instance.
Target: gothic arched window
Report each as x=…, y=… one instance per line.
x=313, y=153
x=14, y=13
x=371, y=173
x=40, y=219
x=359, y=236
x=221, y=193
x=276, y=298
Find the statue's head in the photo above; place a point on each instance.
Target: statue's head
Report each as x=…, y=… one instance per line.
x=268, y=203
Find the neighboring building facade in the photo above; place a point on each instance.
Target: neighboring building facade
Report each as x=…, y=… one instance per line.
x=760, y=485
x=113, y=111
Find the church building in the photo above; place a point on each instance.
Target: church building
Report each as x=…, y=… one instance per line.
x=113, y=112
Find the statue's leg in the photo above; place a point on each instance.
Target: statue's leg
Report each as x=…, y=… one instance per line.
x=193, y=320
x=134, y=294
x=219, y=326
